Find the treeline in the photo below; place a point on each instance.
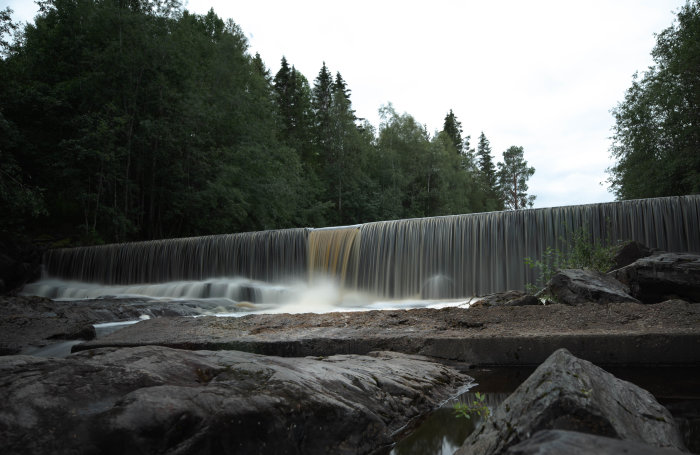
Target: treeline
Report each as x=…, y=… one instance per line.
x=135, y=119
x=656, y=141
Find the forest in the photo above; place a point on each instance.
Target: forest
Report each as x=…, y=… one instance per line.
x=128, y=120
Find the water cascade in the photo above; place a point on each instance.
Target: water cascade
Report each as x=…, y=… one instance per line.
x=440, y=257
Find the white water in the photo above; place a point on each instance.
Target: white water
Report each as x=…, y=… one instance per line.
x=239, y=296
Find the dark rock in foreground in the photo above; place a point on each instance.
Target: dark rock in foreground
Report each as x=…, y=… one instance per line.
x=161, y=400
x=567, y=393
x=559, y=442
x=577, y=286
x=662, y=277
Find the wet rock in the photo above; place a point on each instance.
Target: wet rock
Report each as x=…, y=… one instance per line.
x=567, y=393
x=508, y=298
x=630, y=252
x=577, y=286
x=558, y=442
x=35, y=321
x=662, y=277
x=162, y=400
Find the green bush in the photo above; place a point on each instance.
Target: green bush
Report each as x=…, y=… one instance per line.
x=581, y=253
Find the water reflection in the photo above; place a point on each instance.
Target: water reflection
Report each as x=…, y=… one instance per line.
x=442, y=433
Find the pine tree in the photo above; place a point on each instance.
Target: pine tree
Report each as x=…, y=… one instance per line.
x=513, y=174
x=453, y=128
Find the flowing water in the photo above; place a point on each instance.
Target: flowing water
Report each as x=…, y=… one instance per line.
x=450, y=257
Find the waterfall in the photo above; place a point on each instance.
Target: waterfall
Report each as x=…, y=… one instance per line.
x=449, y=256
x=267, y=256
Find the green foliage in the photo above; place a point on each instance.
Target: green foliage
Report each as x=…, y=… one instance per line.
x=453, y=129
x=477, y=407
x=133, y=120
x=656, y=140
x=581, y=252
x=513, y=174
x=488, y=179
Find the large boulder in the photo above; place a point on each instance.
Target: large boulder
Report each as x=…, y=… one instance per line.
x=558, y=442
x=662, y=277
x=577, y=286
x=567, y=393
x=161, y=400
x=629, y=252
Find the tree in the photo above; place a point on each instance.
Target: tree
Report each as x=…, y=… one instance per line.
x=513, y=174
x=321, y=99
x=487, y=175
x=140, y=120
x=656, y=137
x=294, y=104
x=453, y=128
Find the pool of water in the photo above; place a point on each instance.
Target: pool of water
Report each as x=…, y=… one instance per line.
x=442, y=432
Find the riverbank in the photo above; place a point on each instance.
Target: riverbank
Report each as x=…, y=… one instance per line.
x=623, y=333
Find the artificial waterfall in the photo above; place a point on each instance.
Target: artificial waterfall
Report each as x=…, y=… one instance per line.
x=439, y=257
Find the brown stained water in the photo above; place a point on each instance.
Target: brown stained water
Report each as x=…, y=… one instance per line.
x=442, y=432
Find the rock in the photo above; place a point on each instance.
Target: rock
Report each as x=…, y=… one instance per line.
x=567, y=393
x=624, y=333
x=577, y=286
x=560, y=442
x=161, y=400
x=630, y=252
x=662, y=277
x=34, y=321
x=508, y=298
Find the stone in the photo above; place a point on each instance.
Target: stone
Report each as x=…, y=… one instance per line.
x=161, y=400
x=508, y=298
x=624, y=333
x=31, y=321
x=662, y=277
x=558, y=442
x=568, y=393
x=577, y=286
x=630, y=252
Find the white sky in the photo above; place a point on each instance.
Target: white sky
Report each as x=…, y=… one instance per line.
x=539, y=74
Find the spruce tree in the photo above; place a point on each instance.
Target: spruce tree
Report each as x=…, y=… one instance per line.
x=321, y=97
x=453, y=128
x=487, y=175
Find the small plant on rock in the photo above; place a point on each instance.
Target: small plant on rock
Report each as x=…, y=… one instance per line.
x=476, y=407
x=582, y=252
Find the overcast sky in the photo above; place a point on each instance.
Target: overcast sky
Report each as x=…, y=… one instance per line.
x=538, y=74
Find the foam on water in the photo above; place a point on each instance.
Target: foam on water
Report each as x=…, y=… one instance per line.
x=241, y=295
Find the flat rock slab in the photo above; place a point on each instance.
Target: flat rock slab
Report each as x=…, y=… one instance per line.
x=161, y=400
x=36, y=321
x=622, y=333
